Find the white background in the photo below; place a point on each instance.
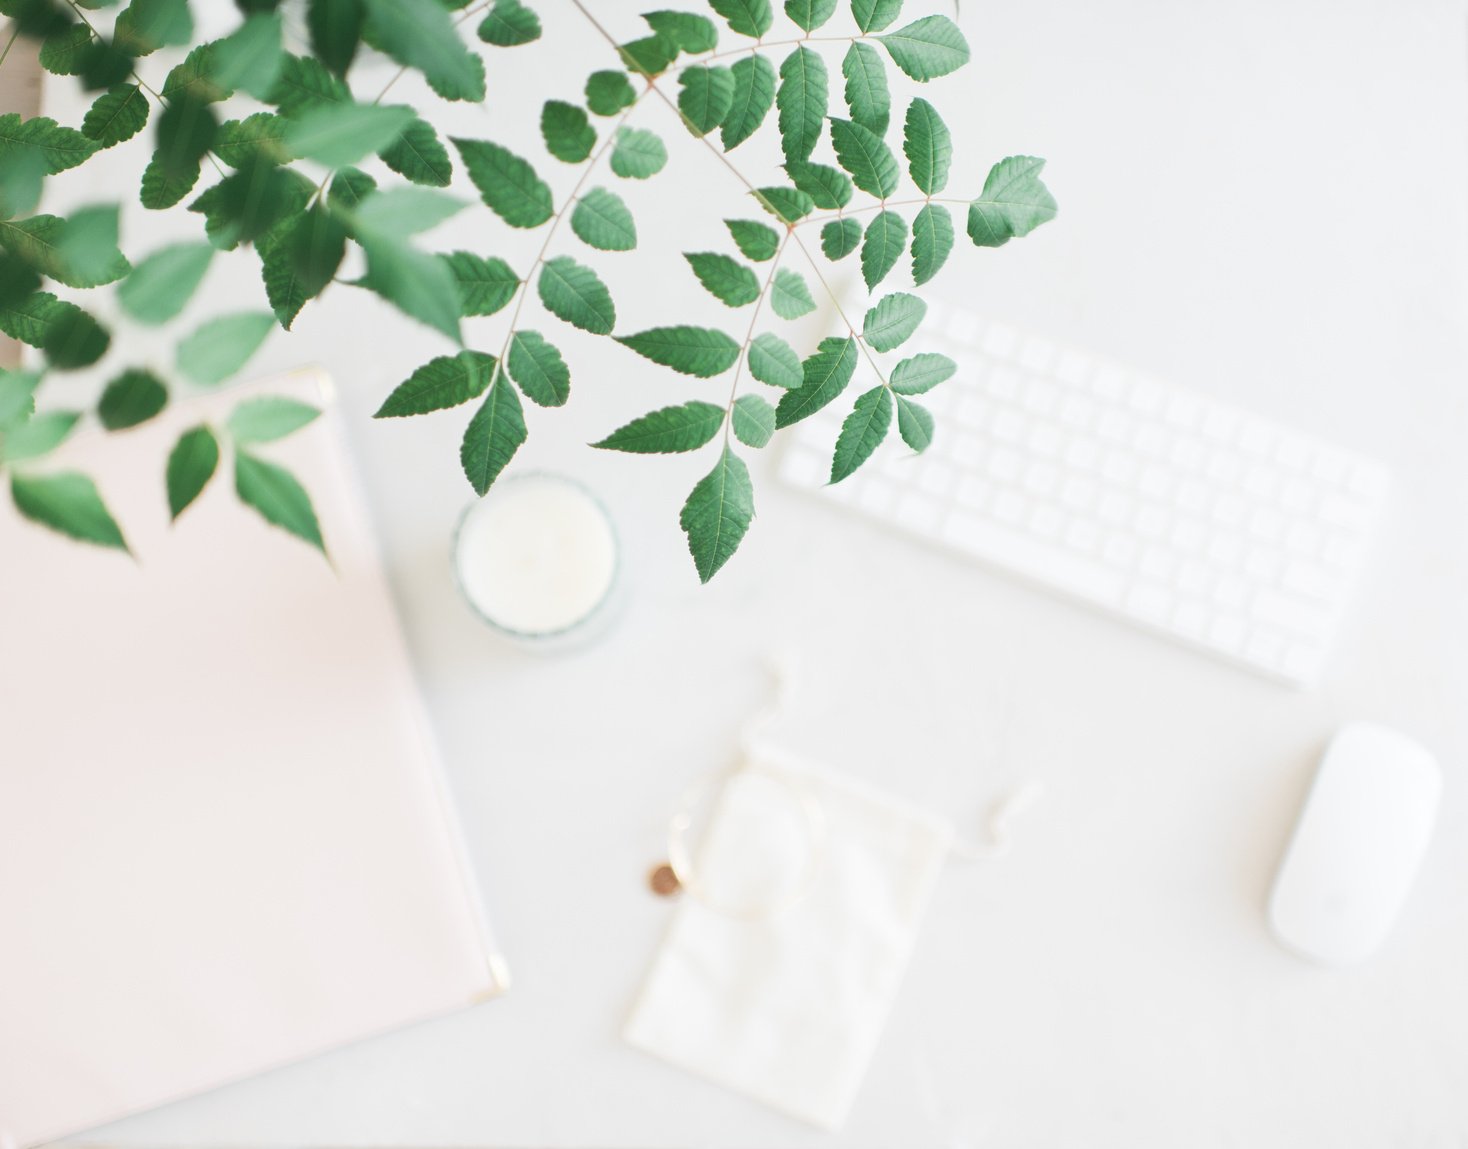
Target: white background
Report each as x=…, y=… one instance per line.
x=1267, y=201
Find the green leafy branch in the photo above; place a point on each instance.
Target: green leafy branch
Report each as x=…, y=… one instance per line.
x=301, y=228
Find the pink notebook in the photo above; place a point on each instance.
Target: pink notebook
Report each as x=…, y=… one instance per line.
x=224, y=840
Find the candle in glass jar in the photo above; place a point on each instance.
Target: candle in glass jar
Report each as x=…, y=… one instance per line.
x=537, y=556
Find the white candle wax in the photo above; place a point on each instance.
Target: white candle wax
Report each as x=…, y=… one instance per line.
x=536, y=556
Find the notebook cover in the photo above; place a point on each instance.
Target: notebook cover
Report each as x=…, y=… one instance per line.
x=224, y=839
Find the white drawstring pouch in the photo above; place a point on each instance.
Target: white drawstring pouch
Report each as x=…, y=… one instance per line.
x=802, y=902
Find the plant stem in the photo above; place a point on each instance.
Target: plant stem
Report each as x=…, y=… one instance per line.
x=10, y=43
x=524, y=288
x=750, y=49
x=749, y=335
x=881, y=205
x=836, y=302
x=742, y=178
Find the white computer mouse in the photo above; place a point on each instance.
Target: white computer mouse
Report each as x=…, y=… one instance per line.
x=1357, y=846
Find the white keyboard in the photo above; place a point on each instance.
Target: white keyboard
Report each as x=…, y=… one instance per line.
x=1178, y=513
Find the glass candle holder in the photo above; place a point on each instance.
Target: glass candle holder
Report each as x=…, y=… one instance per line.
x=537, y=559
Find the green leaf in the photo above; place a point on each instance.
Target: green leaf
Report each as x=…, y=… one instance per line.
x=1013, y=203
x=303, y=84
x=717, y=514
x=191, y=464
x=506, y=183
x=824, y=376
x=650, y=56
x=164, y=185
x=17, y=281
x=73, y=338
x=132, y=398
x=448, y=381
x=607, y=93
x=670, y=430
x=802, y=102
x=638, y=154
x=874, y=15
x=403, y=211
x=259, y=137
x=602, y=220
x=249, y=202
x=539, y=369
x=418, y=155
x=186, y=130
x=724, y=277
x=194, y=79
x=567, y=132
x=68, y=335
x=753, y=420
x=35, y=18
x=572, y=292
x=485, y=285
x=117, y=115
x=250, y=59
x=773, y=361
x=810, y=14
x=705, y=97
x=867, y=95
x=17, y=397
x=932, y=240
x=754, y=96
x=67, y=503
x=509, y=24
x=144, y=26
x=914, y=424
x=222, y=346
x=862, y=153
x=349, y=189
x=927, y=48
x=928, y=146
x=881, y=249
x=789, y=296
x=699, y=351
x=785, y=204
x=893, y=320
x=79, y=252
x=338, y=134
x=840, y=238
x=63, y=147
x=336, y=31
x=278, y=496
x=422, y=36
x=22, y=172
x=747, y=17
x=86, y=248
x=755, y=241
x=37, y=436
x=692, y=33
x=862, y=432
x=65, y=52
x=266, y=418
x=415, y=283
x=299, y=258
x=493, y=436
x=827, y=187
x=922, y=373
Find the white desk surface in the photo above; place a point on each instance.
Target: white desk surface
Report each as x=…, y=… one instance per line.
x=1267, y=201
